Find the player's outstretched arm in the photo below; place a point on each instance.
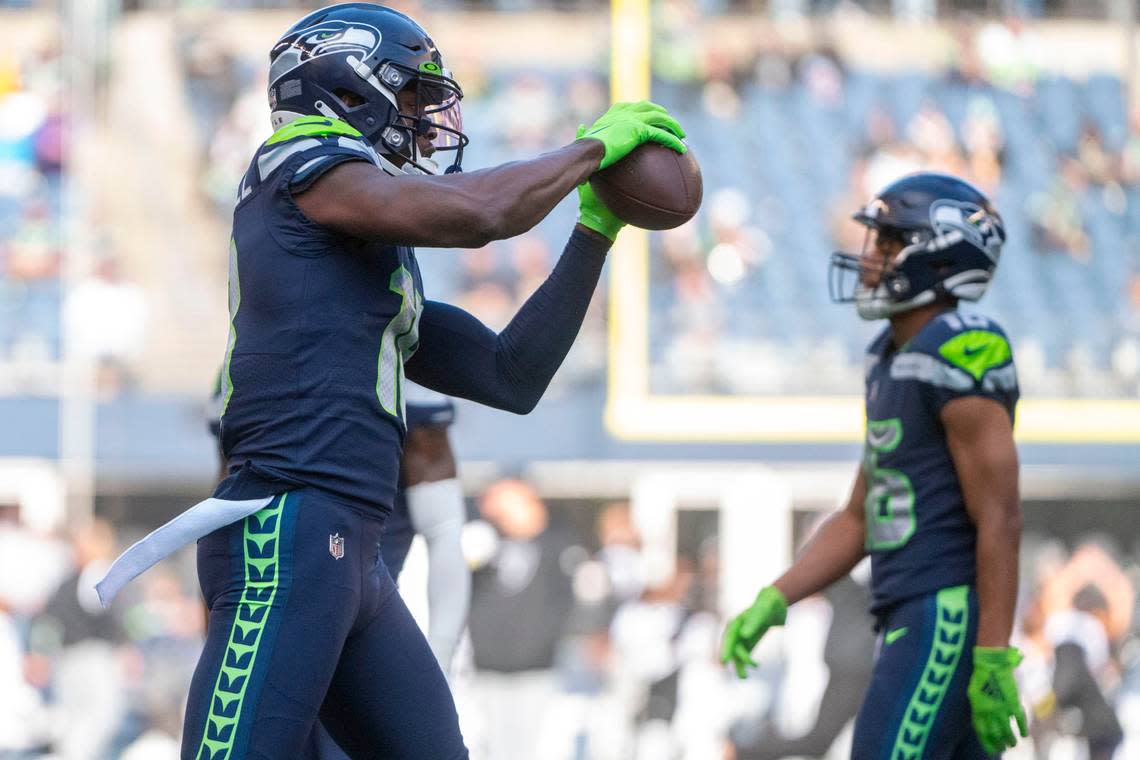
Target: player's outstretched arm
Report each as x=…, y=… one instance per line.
x=832, y=551
x=470, y=209
x=979, y=433
x=460, y=356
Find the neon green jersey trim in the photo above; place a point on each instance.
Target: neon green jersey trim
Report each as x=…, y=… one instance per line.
x=226, y=381
x=950, y=627
x=895, y=635
x=261, y=540
x=976, y=351
x=312, y=126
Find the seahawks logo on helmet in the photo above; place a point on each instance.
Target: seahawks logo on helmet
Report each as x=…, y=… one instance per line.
x=341, y=36
x=325, y=38
x=956, y=221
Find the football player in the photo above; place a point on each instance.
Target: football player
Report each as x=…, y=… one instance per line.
x=327, y=315
x=935, y=501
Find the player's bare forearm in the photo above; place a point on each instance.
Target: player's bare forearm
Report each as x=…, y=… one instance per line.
x=997, y=571
x=465, y=210
x=980, y=435
x=832, y=551
x=519, y=195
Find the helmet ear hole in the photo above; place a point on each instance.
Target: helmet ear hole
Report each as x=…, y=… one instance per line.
x=348, y=98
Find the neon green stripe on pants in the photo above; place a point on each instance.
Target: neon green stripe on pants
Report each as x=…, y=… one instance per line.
x=952, y=619
x=261, y=541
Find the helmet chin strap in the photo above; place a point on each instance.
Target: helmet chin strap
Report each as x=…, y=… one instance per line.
x=875, y=303
x=425, y=166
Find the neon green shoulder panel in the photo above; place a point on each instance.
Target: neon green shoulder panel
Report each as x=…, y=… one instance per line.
x=976, y=351
x=312, y=126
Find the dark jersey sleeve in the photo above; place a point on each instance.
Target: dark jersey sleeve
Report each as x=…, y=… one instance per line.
x=963, y=355
x=284, y=170
x=460, y=356
x=319, y=161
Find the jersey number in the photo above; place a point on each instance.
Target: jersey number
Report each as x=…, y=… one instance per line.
x=398, y=343
x=889, y=504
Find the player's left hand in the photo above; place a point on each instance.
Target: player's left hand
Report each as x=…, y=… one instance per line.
x=994, y=701
x=746, y=629
x=592, y=212
x=627, y=125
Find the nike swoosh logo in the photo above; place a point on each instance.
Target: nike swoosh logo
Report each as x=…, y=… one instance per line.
x=895, y=635
x=879, y=439
x=971, y=350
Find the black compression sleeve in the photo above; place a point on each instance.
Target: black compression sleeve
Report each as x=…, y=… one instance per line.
x=459, y=356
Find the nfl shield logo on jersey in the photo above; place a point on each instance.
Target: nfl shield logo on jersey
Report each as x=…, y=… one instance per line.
x=336, y=545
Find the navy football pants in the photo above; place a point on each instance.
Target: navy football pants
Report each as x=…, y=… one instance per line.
x=916, y=706
x=296, y=632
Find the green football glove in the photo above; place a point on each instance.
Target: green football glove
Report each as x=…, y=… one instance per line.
x=627, y=125
x=592, y=212
x=993, y=697
x=746, y=629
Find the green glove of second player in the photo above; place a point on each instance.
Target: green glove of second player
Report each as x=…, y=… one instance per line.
x=626, y=125
x=746, y=629
x=993, y=698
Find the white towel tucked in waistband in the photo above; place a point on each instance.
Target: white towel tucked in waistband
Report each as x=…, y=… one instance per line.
x=201, y=519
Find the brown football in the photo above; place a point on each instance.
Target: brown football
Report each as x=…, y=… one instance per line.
x=654, y=187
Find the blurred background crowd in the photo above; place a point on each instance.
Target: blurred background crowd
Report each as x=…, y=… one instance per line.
x=124, y=127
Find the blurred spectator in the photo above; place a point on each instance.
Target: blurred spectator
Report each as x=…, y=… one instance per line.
x=984, y=144
x=849, y=656
x=932, y=135
x=1099, y=165
x=1011, y=53
x=521, y=596
x=31, y=159
x=1130, y=311
x=645, y=634
x=1056, y=216
x=620, y=552
x=1130, y=153
x=78, y=637
x=1080, y=651
x=106, y=316
x=1081, y=615
x=22, y=720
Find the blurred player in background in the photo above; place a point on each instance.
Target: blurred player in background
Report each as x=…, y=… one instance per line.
x=429, y=503
x=327, y=314
x=935, y=502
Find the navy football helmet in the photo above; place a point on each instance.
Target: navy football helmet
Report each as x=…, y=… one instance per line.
x=378, y=70
x=951, y=238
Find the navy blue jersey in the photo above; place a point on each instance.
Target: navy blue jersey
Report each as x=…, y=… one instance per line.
x=320, y=327
x=919, y=534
